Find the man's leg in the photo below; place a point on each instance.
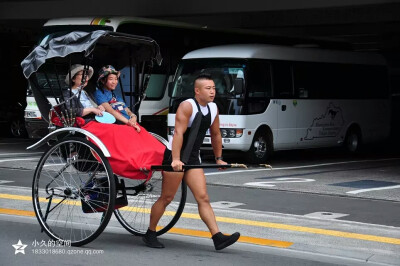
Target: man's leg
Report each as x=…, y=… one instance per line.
x=196, y=181
x=170, y=184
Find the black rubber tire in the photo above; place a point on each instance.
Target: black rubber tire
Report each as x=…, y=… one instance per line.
x=353, y=141
x=17, y=129
x=138, y=226
x=261, y=148
x=45, y=180
x=140, y=204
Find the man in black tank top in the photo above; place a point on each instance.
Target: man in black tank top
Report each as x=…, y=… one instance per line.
x=185, y=149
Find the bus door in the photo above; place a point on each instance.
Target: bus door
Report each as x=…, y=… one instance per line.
x=286, y=105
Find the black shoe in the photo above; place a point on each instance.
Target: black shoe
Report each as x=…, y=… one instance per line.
x=222, y=241
x=150, y=239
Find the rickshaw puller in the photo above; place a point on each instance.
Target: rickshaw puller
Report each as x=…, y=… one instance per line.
x=190, y=130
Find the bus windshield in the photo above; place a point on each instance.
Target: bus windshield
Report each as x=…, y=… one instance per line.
x=223, y=71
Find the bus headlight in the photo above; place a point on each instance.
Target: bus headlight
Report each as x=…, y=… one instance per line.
x=239, y=133
x=231, y=132
x=224, y=133
x=171, y=130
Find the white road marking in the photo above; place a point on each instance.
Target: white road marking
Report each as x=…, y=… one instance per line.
x=55, y=164
x=371, y=189
x=21, y=153
x=225, y=204
x=20, y=159
x=20, y=142
x=5, y=181
x=298, y=167
x=326, y=215
x=272, y=182
x=27, y=191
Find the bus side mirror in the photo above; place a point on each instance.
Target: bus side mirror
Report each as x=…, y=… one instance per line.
x=170, y=89
x=238, y=86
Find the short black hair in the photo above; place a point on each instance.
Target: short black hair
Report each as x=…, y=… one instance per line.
x=203, y=75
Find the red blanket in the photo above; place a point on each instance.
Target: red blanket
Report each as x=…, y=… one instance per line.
x=130, y=150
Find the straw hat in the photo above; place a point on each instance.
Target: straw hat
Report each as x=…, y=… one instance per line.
x=75, y=69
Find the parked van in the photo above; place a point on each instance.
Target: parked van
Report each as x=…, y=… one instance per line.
x=280, y=98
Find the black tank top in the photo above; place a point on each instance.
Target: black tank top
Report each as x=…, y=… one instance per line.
x=194, y=135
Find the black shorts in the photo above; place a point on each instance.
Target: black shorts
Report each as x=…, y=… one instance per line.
x=168, y=159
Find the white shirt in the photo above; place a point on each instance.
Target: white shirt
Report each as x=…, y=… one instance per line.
x=203, y=109
x=84, y=99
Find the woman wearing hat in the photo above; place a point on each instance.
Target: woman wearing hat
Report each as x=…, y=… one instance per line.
x=132, y=148
x=105, y=96
x=86, y=107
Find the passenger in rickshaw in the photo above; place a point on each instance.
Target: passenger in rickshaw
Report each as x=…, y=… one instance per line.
x=105, y=96
x=89, y=107
x=133, y=149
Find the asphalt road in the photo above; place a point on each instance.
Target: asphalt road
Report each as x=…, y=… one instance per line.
x=329, y=208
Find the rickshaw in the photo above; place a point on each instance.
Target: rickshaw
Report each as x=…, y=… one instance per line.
x=74, y=189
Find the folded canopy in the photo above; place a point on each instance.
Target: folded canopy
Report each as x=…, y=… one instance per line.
x=114, y=48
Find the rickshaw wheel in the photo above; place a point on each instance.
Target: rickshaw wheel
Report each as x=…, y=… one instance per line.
x=71, y=205
x=141, y=196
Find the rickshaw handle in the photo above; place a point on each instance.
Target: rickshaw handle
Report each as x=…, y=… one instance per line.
x=202, y=166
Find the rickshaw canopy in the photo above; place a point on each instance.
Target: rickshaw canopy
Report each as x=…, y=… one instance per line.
x=139, y=48
x=47, y=65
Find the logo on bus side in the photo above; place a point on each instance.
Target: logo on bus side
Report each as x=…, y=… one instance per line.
x=327, y=125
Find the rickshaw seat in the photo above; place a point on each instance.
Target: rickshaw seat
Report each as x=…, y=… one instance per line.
x=61, y=116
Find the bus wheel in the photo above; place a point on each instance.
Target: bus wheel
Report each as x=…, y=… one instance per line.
x=260, y=149
x=17, y=129
x=352, y=141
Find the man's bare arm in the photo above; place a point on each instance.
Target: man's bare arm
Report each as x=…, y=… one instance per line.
x=216, y=139
x=181, y=123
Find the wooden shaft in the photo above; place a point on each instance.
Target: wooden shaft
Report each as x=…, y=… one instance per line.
x=202, y=166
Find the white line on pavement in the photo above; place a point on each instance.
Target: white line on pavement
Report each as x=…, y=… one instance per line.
x=55, y=164
x=5, y=181
x=19, y=142
x=372, y=189
x=20, y=159
x=20, y=153
x=300, y=166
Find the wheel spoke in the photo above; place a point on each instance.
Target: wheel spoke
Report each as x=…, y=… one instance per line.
x=141, y=196
x=65, y=171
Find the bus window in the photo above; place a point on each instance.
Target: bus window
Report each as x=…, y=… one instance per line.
x=259, y=79
x=222, y=71
x=51, y=83
x=370, y=82
x=155, y=89
x=258, y=86
x=313, y=80
x=340, y=81
x=282, y=79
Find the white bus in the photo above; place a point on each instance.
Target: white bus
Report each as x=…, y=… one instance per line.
x=175, y=40
x=276, y=98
